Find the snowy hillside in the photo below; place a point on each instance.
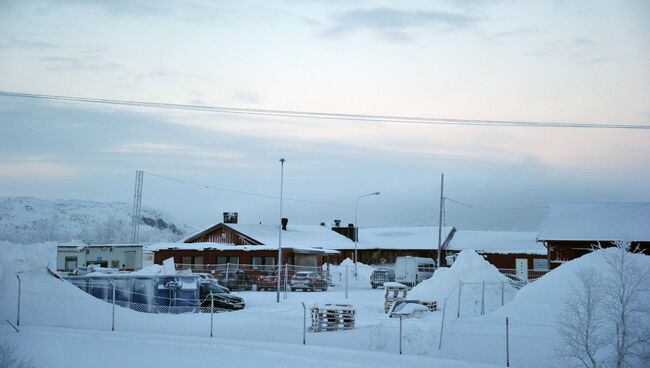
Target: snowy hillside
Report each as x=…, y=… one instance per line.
x=30, y=220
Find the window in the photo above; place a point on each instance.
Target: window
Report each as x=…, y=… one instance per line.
x=231, y=260
x=70, y=263
x=540, y=264
x=186, y=260
x=257, y=261
x=198, y=260
x=269, y=261
x=115, y=264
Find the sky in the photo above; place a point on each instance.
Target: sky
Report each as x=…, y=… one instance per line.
x=552, y=61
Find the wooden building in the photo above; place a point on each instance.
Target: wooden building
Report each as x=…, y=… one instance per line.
x=501, y=248
x=254, y=244
x=571, y=230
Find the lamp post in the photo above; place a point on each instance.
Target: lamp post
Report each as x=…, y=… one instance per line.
x=356, y=229
x=280, y=232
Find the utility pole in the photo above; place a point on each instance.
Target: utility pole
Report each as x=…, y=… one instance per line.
x=279, y=274
x=137, y=205
x=442, y=199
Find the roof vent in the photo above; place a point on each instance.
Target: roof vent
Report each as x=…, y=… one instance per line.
x=337, y=223
x=285, y=221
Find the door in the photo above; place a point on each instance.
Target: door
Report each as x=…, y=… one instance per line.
x=521, y=268
x=129, y=259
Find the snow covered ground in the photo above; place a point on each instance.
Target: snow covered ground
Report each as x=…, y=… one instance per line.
x=56, y=315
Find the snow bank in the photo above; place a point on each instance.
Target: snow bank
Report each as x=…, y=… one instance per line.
x=469, y=267
x=544, y=300
x=338, y=274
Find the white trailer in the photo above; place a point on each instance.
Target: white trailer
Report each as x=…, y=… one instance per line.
x=412, y=270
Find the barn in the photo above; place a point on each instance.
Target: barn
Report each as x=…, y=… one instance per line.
x=571, y=230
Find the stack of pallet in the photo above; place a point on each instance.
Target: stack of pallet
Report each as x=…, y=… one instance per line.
x=332, y=317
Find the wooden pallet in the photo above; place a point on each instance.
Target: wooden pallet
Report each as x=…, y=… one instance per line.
x=332, y=317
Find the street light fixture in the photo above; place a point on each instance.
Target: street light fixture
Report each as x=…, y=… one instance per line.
x=356, y=229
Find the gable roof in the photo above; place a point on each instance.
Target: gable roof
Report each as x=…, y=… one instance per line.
x=502, y=242
x=296, y=236
x=403, y=237
x=597, y=221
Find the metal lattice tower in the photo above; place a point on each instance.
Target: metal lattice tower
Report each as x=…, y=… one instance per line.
x=137, y=205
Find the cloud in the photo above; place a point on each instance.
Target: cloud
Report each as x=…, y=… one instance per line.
x=22, y=42
x=61, y=63
x=247, y=97
x=393, y=24
x=169, y=149
x=518, y=32
x=581, y=41
x=35, y=167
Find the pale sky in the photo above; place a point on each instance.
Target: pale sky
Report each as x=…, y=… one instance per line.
x=552, y=61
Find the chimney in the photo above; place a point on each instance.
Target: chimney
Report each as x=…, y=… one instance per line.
x=285, y=221
x=337, y=223
x=230, y=217
x=322, y=224
x=350, y=225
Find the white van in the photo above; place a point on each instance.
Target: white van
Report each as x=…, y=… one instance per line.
x=412, y=270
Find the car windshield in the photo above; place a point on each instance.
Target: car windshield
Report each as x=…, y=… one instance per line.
x=215, y=289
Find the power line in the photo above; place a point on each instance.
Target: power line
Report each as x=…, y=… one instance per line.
x=396, y=119
x=268, y=196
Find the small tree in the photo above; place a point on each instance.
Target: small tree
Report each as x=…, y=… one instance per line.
x=624, y=287
x=581, y=323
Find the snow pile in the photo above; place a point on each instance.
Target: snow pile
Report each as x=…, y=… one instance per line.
x=338, y=274
x=151, y=270
x=469, y=267
x=544, y=300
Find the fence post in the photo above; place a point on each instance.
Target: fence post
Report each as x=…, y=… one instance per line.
x=227, y=273
x=507, y=344
x=113, y=324
x=483, y=298
x=346, y=282
x=502, y=293
x=400, y=333
x=304, y=323
x=442, y=323
x=286, y=279
x=460, y=288
x=211, y=312
x=18, y=312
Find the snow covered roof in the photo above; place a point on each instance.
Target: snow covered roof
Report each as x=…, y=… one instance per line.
x=597, y=221
x=221, y=246
x=404, y=237
x=296, y=236
x=502, y=242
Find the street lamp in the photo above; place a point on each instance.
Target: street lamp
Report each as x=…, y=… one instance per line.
x=356, y=229
x=280, y=231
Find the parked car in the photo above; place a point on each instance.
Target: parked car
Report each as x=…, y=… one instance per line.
x=267, y=281
x=381, y=275
x=221, y=296
x=235, y=280
x=306, y=280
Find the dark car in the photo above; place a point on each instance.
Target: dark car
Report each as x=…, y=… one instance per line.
x=381, y=275
x=235, y=280
x=267, y=281
x=306, y=280
x=221, y=296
